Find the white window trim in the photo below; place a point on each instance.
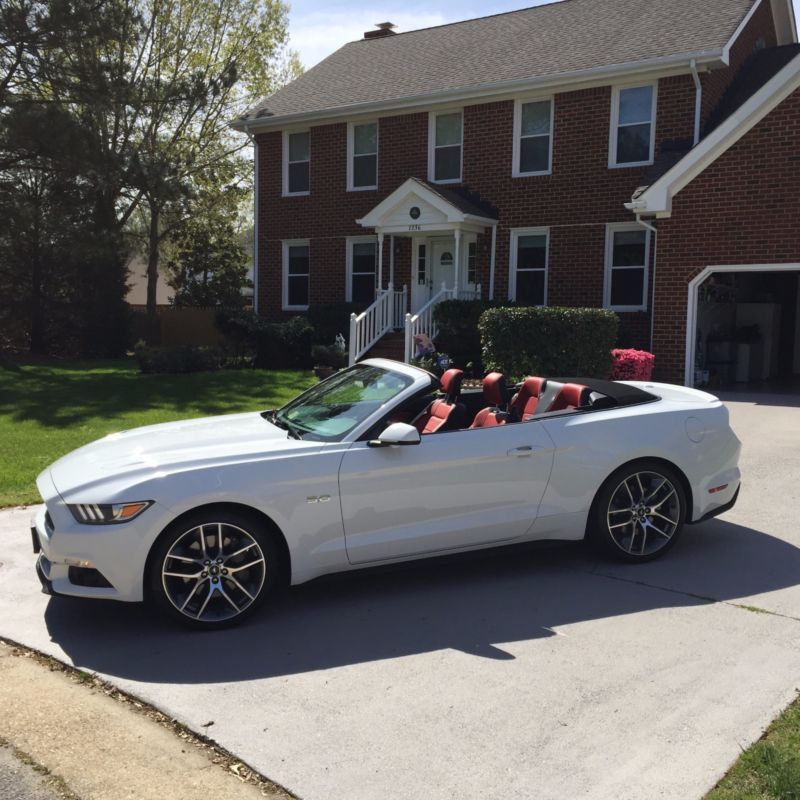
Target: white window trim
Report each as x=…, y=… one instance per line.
x=468, y=241
x=432, y=115
x=351, y=154
x=285, y=163
x=611, y=229
x=351, y=240
x=512, y=261
x=287, y=243
x=612, y=131
x=518, y=103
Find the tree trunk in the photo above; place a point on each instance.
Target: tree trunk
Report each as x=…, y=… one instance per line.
x=37, y=325
x=152, y=275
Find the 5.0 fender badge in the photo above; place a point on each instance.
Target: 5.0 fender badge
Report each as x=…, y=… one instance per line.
x=323, y=498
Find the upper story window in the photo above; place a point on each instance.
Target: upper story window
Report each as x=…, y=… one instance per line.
x=627, y=247
x=296, y=274
x=296, y=162
x=633, y=123
x=362, y=156
x=445, y=144
x=527, y=280
x=533, y=137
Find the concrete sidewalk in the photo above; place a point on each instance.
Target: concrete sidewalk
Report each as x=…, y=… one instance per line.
x=69, y=739
x=543, y=674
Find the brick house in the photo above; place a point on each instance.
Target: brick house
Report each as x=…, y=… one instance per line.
x=639, y=156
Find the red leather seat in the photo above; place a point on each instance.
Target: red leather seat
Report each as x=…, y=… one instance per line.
x=447, y=414
x=571, y=395
x=496, y=395
x=526, y=401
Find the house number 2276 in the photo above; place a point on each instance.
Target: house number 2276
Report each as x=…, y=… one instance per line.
x=415, y=227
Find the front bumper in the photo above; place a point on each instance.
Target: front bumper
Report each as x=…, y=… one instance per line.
x=117, y=552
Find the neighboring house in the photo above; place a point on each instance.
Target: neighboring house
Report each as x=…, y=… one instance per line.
x=507, y=157
x=137, y=285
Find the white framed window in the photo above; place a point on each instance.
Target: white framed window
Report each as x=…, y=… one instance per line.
x=533, y=137
x=362, y=156
x=527, y=274
x=633, y=125
x=626, y=267
x=422, y=264
x=362, y=263
x=472, y=262
x=296, y=274
x=445, y=146
x=296, y=163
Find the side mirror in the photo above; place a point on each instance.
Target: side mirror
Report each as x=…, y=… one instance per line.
x=397, y=433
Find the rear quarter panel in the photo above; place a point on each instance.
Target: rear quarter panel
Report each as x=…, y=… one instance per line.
x=690, y=430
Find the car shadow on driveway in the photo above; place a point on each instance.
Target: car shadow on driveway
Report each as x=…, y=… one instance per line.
x=471, y=603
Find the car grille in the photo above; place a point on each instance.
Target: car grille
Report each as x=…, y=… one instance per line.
x=86, y=576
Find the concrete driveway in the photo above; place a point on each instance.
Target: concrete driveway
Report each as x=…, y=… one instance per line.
x=536, y=674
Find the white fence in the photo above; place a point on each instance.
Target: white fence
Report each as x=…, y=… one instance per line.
x=384, y=315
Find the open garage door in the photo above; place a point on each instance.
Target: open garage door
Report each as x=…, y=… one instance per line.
x=743, y=328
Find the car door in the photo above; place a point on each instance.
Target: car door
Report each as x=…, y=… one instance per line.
x=453, y=490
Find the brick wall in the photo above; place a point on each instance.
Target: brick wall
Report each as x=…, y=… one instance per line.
x=743, y=209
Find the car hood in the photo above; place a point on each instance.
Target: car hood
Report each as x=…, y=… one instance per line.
x=155, y=450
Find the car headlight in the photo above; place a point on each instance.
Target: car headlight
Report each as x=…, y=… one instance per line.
x=107, y=514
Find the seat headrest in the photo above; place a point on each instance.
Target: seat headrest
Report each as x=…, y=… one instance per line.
x=451, y=382
x=572, y=395
x=533, y=386
x=494, y=389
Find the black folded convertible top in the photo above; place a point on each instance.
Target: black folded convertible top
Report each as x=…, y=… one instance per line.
x=621, y=393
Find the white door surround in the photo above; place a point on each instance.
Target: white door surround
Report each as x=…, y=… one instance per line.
x=691, y=307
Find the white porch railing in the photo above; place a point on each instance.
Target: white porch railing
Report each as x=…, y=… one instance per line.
x=423, y=322
x=383, y=315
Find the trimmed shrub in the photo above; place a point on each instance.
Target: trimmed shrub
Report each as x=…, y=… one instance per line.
x=549, y=341
x=324, y=355
x=331, y=319
x=277, y=345
x=459, y=337
x=180, y=358
x=632, y=365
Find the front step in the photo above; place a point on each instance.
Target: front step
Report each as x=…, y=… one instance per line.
x=391, y=345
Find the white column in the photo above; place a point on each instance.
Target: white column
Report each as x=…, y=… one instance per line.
x=380, y=261
x=457, y=235
x=491, y=262
x=391, y=260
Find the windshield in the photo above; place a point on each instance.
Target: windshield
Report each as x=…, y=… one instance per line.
x=330, y=410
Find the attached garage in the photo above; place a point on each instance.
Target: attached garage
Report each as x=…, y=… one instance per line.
x=743, y=327
x=726, y=216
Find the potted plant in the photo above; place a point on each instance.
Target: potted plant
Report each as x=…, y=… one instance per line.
x=327, y=359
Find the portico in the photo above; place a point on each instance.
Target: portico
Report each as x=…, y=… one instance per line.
x=443, y=227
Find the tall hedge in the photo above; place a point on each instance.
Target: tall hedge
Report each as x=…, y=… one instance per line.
x=458, y=336
x=548, y=341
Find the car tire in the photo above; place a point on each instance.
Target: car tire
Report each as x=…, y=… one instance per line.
x=639, y=512
x=213, y=569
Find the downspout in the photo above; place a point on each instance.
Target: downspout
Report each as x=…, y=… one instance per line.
x=255, y=220
x=698, y=99
x=652, y=228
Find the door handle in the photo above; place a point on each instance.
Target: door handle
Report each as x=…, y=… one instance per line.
x=520, y=452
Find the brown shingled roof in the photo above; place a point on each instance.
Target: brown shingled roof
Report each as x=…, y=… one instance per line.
x=548, y=40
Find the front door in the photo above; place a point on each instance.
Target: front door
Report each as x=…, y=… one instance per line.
x=443, y=265
x=451, y=491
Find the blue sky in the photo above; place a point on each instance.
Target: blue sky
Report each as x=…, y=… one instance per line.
x=318, y=27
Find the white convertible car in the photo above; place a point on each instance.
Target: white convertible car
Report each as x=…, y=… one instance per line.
x=379, y=463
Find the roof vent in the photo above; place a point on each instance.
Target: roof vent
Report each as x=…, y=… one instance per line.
x=384, y=29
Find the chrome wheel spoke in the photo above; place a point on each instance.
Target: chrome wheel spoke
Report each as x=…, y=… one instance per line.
x=240, y=551
x=655, y=491
x=666, y=519
x=661, y=502
x=211, y=589
x=239, y=586
x=187, y=575
x=246, y=566
x=191, y=594
x=219, y=541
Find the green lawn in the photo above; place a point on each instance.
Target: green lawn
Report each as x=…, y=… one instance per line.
x=770, y=769
x=48, y=410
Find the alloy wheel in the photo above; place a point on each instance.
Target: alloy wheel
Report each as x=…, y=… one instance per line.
x=213, y=572
x=644, y=513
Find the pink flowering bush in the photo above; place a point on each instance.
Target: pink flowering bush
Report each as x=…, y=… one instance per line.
x=632, y=365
